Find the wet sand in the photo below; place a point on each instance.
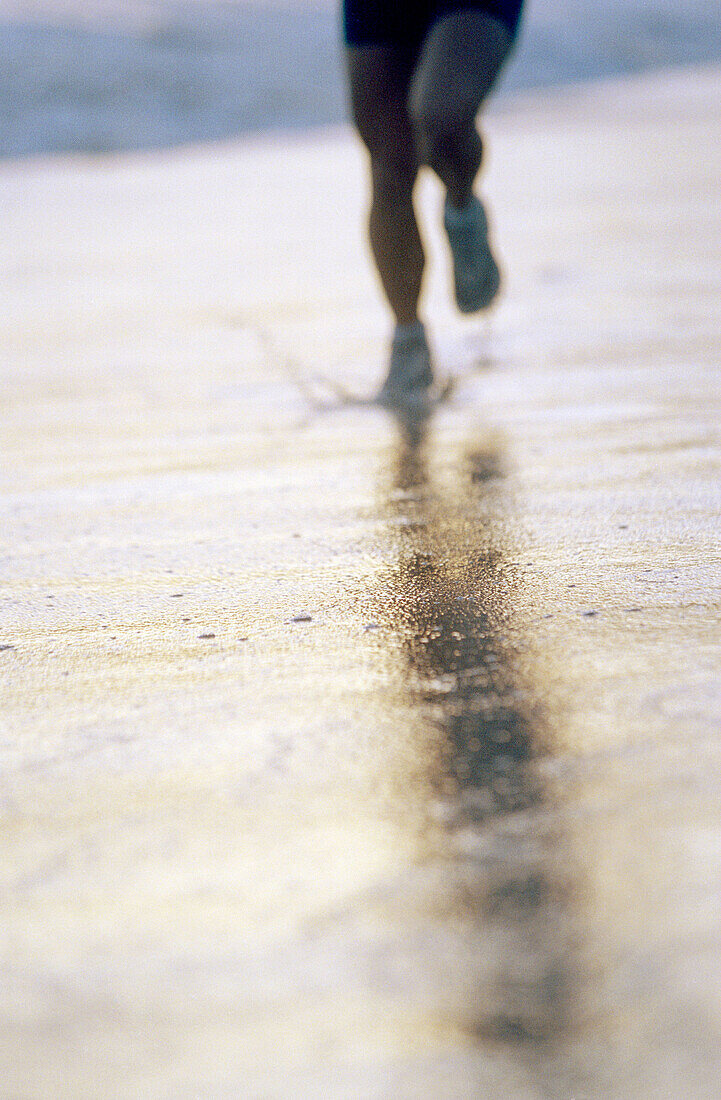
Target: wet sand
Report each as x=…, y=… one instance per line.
x=346, y=756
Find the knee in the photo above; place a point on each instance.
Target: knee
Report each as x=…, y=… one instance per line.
x=387, y=134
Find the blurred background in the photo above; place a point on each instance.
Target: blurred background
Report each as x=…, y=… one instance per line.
x=103, y=75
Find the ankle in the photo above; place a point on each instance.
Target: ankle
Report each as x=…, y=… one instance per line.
x=409, y=332
x=460, y=215
x=459, y=200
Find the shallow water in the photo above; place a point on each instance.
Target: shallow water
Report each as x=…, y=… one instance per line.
x=109, y=76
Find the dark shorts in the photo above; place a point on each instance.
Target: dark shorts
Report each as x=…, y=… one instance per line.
x=393, y=23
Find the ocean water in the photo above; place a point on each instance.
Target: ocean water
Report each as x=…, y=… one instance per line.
x=103, y=75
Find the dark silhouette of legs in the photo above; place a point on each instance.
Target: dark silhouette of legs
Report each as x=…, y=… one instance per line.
x=419, y=106
x=379, y=82
x=458, y=65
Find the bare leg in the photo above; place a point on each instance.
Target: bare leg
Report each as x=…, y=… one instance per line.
x=379, y=81
x=413, y=108
x=461, y=58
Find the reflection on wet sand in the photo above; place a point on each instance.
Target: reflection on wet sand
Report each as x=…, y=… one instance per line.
x=449, y=601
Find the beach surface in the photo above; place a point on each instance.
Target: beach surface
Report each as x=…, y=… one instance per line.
x=346, y=755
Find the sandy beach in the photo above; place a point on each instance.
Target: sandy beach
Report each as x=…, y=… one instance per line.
x=344, y=756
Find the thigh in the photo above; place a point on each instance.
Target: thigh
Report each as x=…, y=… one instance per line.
x=459, y=62
x=379, y=78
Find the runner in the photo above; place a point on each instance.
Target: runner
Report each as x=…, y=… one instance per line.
x=418, y=74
